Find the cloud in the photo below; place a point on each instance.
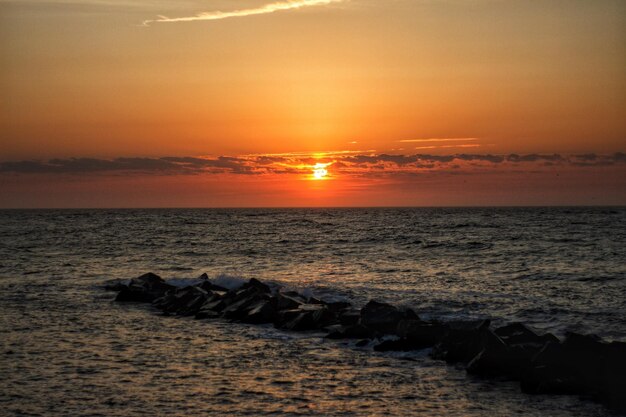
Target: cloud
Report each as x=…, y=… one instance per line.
x=438, y=140
x=341, y=162
x=265, y=9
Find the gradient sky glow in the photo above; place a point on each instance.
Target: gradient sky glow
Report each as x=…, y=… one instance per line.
x=162, y=103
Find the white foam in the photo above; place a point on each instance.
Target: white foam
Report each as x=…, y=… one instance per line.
x=230, y=282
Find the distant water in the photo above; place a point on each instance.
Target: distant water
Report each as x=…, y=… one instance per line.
x=66, y=349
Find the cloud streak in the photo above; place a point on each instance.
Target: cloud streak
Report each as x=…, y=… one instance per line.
x=339, y=163
x=438, y=140
x=265, y=9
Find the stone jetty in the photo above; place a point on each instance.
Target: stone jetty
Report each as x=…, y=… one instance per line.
x=580, y=364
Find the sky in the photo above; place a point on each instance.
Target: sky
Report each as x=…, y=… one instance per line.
x=278, y=103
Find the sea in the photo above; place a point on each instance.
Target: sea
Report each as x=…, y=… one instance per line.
x=67, y=349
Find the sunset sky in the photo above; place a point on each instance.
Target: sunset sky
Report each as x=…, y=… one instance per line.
x=222, y=103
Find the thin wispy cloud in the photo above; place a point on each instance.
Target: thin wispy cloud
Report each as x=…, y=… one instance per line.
x=438, y=140
x=265, y=9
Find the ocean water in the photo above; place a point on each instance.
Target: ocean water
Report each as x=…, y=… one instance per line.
x=67, y=349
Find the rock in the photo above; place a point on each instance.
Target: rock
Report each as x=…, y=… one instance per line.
x=289, y=301
x=144, y=288
x=182, y=301
x=258, y=285
x=337, y=306
x=403, y=345
x=285, y=316
x=613, y=392
x=209, y=286
x=311, y=318
x=582, y=364
x=261, y=312
x=421, y=333
x=212, y=306
x=362, y=343
x=355, y=331
x=462, y=341
x=314, y=300
x=207, y=314
x=519, y=334
x=548, y=373
x=115, y=285
x=349, y=317
x=242, y=306
x=495, y=358
x=134, y=294
x=382, y=317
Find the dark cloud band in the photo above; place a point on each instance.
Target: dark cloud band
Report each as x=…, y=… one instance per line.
x=289, y=164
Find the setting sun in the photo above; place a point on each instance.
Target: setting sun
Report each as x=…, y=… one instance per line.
x=319, y=171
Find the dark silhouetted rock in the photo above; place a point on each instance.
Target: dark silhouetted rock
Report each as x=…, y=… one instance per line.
x=401, y=345
x=207, y=314
x=495, y=358
x=337, y=306
x=355, y=331
x=240, y=308
x=289, y=301
x=182, y=301
x=115, y=285
x=581, y=365
x=311, y=317
x=382, y=317
x=349, y=317
x=258, y=285
x=209, y=286
x=261, y=312
x=519, y=334
x=462, y=341
x=144, y=288
x=421, y=333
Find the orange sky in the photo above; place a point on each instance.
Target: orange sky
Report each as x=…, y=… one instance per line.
x=109, y=79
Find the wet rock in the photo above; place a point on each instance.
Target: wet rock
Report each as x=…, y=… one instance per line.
x=349, y=317
x=258, y=285
x=355, y=331
x=582, y=365
x=383, y=317
x=338, y=306
x=144, y=288
x=462, y=342
x=289, y=300
x=519, y=334
x=182, y=301
x=115, y=285
x=495, y=358
x=209, y=286
x=261, y=312
x=400, y=345
x=207, y=314
x=613, y=391
x=240, y=308
x=312, y=317
x=285, y=316
x=426, y=334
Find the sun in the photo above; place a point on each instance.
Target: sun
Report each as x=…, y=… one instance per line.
x=319, y=171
